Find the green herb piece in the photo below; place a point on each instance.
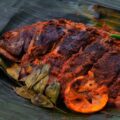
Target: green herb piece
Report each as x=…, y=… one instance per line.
x=42, y=101
x=24, y=92
x=98, y=24
x=117, y=36
x=40, y=86
x=2, y=64
x=36, y=76
x=14, y=71
x=30, y=79
x=44, y=72
x=52, y=91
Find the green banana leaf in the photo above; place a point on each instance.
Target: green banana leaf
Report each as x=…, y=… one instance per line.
x=16, y=13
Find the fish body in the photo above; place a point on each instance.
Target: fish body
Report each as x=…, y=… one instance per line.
x=52, y=56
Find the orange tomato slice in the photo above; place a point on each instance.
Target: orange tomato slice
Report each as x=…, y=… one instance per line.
x=84, y=95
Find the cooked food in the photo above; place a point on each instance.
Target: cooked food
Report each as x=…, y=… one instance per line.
x=84, y=95
x=61, y=59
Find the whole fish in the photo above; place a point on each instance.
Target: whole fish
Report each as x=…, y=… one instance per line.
x=62, y=59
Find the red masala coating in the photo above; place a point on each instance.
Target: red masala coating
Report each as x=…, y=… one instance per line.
x=72, y=49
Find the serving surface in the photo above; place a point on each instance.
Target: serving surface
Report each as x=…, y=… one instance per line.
x=36, y=11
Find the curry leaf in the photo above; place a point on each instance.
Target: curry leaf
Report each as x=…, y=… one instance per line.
x=44, y=72
x=29, y=80
x=42, y=101
x=14, y=71
x=2, y=64
x=52, y=91
x=40, y=86
x=117, y=36
x=38, y=73
x=24, y=92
